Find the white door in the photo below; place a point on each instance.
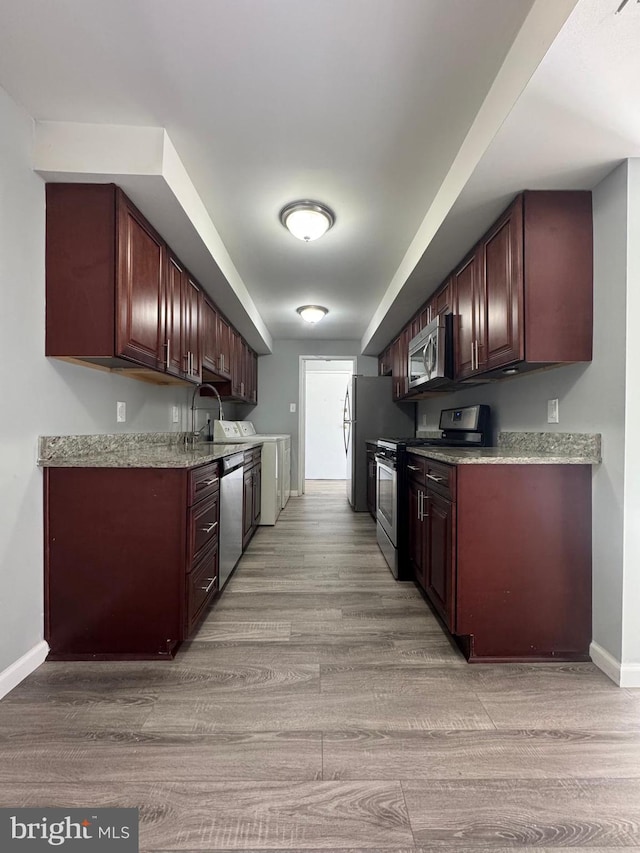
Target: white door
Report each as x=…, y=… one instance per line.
x=324, y=447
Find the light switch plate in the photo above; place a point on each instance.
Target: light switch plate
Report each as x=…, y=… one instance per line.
x=553, y=412
x=292, y=407
x=175, y=414
x=121, y=412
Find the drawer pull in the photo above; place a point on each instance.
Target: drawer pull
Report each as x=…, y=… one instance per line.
x=210, y=482
x=211, y=585
x=414, y=468
x=209, y=527
x=435, y=479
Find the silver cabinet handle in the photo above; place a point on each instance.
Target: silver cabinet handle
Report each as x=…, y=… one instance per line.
x=211, y=585
x=210, y=482
x=414, y=468
x=435, y=479
x=420, y=498
x=472, y=365
x=209, y=527
x=425, y=504
x=242, y=388
x=168, y=352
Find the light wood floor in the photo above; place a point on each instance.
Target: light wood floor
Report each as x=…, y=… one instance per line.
x=321, y=707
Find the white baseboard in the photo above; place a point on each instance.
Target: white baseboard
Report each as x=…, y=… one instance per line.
x=623, y=674
x=24, y=666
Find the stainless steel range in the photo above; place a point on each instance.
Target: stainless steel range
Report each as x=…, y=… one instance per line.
x=467, y=426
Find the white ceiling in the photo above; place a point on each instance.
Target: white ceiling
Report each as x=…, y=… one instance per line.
x=362, y=104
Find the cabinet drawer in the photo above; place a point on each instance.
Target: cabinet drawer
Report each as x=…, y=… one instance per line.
x=416, y=467
x=203, y=527
x=441, y=478
x=202, y=585
x=203, y=481
x=252, y=457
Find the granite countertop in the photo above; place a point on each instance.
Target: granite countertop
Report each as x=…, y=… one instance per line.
x=137, y=450
x=500, y=456
x=523, y=448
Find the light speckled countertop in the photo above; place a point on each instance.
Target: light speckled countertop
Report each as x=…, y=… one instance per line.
x=501, y=456
x=73, y=452
x=524, y=448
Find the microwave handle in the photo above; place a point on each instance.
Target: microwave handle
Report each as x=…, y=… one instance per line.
x=427, y=347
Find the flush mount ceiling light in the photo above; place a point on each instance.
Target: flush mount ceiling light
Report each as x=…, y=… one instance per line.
x=307, y=220
x=312, y=313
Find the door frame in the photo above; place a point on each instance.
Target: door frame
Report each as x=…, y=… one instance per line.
x=302, y=405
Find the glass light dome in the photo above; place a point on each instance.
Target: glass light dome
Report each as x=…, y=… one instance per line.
x=307, y=220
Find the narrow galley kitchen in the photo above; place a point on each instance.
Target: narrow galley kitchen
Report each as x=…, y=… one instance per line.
x=321, y=706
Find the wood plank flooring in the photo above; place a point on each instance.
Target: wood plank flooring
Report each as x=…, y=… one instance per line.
x=320, y=707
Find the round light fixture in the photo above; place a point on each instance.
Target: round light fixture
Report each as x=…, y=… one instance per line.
x=312, y=313
x=307, y=220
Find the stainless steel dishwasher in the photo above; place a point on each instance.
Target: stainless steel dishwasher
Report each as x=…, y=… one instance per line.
x=231, y=506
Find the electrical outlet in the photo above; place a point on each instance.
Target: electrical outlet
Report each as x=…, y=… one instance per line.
x=292, y=407
x=175, y=414
x=121, y=412
x=553, y=412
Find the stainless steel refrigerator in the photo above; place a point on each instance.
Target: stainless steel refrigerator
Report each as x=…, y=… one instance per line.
x=369, y=414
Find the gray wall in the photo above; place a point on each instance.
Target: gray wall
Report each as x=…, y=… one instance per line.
x=279, y=381
x=41, y=396
x=592, y=399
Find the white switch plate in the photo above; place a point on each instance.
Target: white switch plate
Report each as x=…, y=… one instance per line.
x=292, y=407
x=121, y=412
x=553, y=412
x=175, y=414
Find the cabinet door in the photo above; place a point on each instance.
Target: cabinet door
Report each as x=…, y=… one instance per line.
x=247, y=510
x=469, y=327
x=224, y=347
x=440, y=585
x=253, y=372
x=442, y=300
x=257, y=493
x=416, y=534
x=174, y=340
x=503, y=276
x=209, y=336
x=191, y=329
x=399, y=371
x=140, y=317
x=235, y=348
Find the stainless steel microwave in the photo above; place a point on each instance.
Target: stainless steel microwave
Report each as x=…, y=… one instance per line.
x=430, y=364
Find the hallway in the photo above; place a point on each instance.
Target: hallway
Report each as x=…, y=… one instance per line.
x=321, y=707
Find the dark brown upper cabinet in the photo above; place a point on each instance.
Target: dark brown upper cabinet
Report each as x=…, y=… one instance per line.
x=105, y=292
x=524, y=296
x=118, y=297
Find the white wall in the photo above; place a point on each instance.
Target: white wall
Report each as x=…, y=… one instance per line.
x=41, y=396
x=592, y=399
x=279, y=381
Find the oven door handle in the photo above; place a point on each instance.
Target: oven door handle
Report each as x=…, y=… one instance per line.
x=383, y=462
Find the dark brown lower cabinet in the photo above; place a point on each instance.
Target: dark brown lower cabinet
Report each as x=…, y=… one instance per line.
x=252, y=494
x=503, y=553
x=131, y=559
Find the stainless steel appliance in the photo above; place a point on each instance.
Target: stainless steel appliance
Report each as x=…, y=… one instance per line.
x=468, y=426
x=231, y=505
x=430, y=363
x=369, y=412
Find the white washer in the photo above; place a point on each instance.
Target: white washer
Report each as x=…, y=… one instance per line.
x=276, y=463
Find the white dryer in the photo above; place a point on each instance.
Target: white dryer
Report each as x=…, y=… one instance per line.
x=276, y=463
